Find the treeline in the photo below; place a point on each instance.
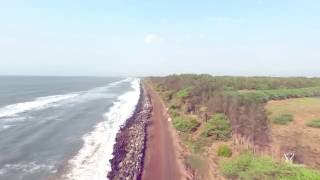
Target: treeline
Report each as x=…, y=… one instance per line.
x=263, y=96
x=265, y=83
x=244, y=83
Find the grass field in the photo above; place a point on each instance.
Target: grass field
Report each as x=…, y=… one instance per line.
x=300, y=135
x=302, y=109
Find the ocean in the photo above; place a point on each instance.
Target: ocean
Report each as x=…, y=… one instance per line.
x=61, y=127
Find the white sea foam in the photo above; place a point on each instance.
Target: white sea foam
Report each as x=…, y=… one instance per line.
x=51, y=101
x=96, y=93
x=15, y=119
x=37, y=104
x=29, y=167
x=92, y=161
x=93, y=94
x=7, y=126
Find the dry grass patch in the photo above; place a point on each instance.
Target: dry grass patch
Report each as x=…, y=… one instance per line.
x=297, y=136
x=302, y=109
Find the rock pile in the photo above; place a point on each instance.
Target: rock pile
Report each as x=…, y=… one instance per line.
x=128, y=152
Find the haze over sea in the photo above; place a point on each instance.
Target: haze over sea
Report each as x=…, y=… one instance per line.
x=61, y=126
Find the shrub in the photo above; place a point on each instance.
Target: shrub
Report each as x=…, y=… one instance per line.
x=183, y=93
x=159, y=87
x=185, y=124
x=167, y=95
x=218, y=127
x=196, y=145
x=283, y=119
x=314, y=123
x=224, y=151
x=248, y=166
x=174, y=113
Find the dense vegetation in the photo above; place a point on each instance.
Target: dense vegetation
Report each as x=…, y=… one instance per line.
x=203, y=96
x=239, y=98
x=263, y=83
x=205, y=109
x=277, y=94
x=185, y=124
x=241, y=83
x=249, y=166
x=218, y=127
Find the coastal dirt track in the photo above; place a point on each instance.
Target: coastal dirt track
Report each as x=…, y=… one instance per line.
x=161, y=161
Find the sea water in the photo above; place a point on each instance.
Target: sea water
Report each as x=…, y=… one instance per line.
x=61, y=127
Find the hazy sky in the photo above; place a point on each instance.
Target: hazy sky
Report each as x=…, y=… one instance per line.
x=149, y=37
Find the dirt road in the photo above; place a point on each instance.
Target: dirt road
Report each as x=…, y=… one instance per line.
x=160, y=158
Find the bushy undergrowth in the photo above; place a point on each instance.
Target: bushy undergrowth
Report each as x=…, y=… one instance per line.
x=196, y=145
x=249, y=167
x=217, y=127
x=185, y=124
x=224, y=151
x=314, y=123
x=173, y=112
x=183, y=93
x=283, y=119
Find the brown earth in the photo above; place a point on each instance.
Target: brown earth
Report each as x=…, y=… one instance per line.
x=162, y=158
x=296, y=136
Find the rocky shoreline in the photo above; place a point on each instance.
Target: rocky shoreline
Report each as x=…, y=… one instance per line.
x=129, y=150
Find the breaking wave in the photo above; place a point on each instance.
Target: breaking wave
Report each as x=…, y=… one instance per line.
x=49, y=101
x=37, y=104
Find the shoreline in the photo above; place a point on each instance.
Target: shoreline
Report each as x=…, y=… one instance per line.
x=129, y=149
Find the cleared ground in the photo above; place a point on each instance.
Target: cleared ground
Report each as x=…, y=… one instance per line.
x=161, y=161
x=296, y=136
